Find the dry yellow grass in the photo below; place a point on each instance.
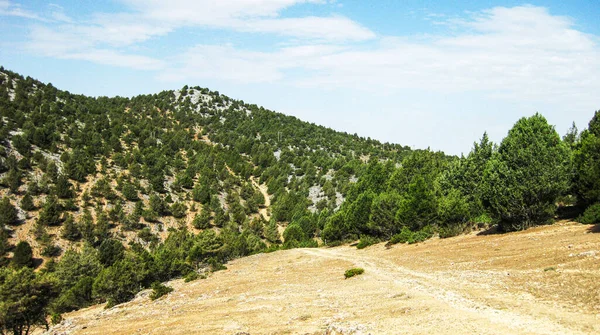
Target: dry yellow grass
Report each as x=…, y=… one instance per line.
x=542, y=281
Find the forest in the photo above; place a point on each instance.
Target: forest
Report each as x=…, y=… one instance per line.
x=103, y=197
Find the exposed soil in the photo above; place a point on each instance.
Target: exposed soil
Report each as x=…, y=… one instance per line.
x=545, y=280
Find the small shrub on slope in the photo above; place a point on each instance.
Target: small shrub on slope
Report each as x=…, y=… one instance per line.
x=353, y=272
x=159, y=289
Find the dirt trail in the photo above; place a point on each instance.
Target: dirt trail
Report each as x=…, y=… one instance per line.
x=542, y=281
x=263, y=189
x=441, y=292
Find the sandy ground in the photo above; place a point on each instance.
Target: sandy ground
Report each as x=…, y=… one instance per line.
x=542, y=281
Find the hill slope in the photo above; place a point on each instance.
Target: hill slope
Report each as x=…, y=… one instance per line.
x=131, y=169
x=541, y=281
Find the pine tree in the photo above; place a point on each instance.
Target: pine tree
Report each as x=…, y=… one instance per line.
x=8, y=212
x=202, y=220
x=586, y=163
x=50, y=213
x=23, y=255
x=27, y=203
x=526, y=175
x=70, y=231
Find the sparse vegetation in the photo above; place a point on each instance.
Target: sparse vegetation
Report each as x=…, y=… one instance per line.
x=353, y=272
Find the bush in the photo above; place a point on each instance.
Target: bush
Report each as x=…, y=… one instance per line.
x=193, y=275
x=353, y=272
x=483, y=220
x=452, y=230
x=422, y=235
x=404, y=236
x=215, y=265
x=410, y=237
x=591, y=215
x=159, y=289
x=365, y=241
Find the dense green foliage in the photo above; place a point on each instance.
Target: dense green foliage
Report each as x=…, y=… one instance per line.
x=586, y=163
x=526, y=175
x=24, y=300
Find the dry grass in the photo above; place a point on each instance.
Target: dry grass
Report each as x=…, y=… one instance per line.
x=494, y=284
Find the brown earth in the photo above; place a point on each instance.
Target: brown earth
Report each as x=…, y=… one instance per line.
x=545, y=280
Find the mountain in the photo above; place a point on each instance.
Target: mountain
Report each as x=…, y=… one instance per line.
x=140, y=166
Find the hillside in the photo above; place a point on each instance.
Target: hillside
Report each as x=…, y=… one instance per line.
x=542, y=281
x=154, y=162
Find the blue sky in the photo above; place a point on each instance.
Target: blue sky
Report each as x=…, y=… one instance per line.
x=420, y=73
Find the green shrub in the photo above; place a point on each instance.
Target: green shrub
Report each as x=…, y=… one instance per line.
x=56, y=318
x=191, y=276
x=215, y=265
x=365, y=241
x=353, y=272
x=483, y=220
x=404, y=236
x=410, y=237
x=452, y=230
x=422, y=235
x=591, y=215
x=159, y=289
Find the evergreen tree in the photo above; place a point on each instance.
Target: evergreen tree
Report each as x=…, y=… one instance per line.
x=63, y=187
x=271, y=232
x=202, y=220
x=4, y=246
x=27, y=203
x=50, y=213
x=70, y=231
x=25, y=298
x=8, y=212
x=23, y=255
x=586, y=163
x=383, y=220
x=526, y=175
x=110, y=251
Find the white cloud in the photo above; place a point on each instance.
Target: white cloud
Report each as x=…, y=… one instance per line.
x=151, y=19
x=58, y=14
x=67, y=44
x=521, y=52
x=110, y=57
x=324, y=28
x=9, y=9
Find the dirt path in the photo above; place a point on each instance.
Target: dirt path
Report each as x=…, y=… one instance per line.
x=542, y=281
x=263, y=189
x=440, y=292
